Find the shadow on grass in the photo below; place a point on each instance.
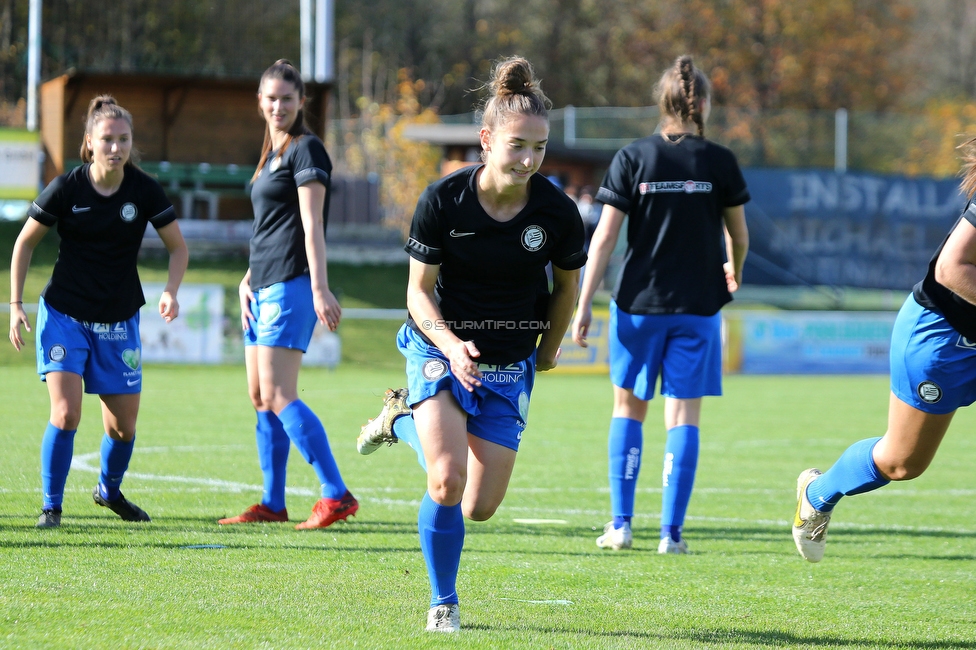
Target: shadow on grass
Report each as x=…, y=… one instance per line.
x=758, y=533
x=728, y=638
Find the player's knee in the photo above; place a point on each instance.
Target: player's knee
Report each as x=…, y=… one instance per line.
x=480, y=511
x=122, y=434
x=255, y=395
x=902, y=469
x=446, y=487
x=65, y=416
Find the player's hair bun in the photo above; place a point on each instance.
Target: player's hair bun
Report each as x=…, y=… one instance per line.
x=514, y=77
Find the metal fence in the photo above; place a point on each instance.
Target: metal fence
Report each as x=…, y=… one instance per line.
x=841, y=140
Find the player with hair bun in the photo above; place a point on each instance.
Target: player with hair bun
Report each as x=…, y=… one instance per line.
x=933, y=373
x=682, y=193
x=88, y=314
x=284, y=292
x=478, y=301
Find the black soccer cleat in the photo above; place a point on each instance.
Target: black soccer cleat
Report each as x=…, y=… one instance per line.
x=50, y=518
x=125, y=509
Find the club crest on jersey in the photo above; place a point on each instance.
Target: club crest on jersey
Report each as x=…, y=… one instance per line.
x=929, y=392
x=433, y=369
x=276, y=164
x=533, y=238
x=129, y=212
x=965, y=343
x=57, y=353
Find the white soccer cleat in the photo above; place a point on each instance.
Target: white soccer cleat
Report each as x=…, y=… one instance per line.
x=444, y=618
x=616, y=538
x=668, y=545
x=379, y=431
x=809, y=524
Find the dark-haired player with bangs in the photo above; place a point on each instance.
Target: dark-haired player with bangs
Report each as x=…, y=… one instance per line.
x=681, y=193
x=478, y=302
x=283, y=294
x=88, y=314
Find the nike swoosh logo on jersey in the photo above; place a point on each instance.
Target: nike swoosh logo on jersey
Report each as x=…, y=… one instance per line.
x=454, y=233
x=132, y=382
x=76, y=209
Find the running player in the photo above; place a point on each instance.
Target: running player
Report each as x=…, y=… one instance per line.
x=933, y=373
x=88, y=314
x=284, y=292
x=681, y=192
x=478, y=300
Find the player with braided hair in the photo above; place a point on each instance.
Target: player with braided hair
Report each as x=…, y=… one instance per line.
x=681, y=193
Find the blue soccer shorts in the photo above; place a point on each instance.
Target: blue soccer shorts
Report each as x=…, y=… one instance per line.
x=497, y=410
x=684, y=349
x=285, y=315
x=933, y=367
x=108, y=356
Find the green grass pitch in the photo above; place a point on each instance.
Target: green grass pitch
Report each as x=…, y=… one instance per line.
x=900, y=569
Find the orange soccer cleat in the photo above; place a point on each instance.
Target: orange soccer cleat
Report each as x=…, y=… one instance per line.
x=326, y=512
x=255, y=514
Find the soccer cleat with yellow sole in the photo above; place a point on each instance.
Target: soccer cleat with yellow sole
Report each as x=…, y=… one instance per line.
x=809, y=524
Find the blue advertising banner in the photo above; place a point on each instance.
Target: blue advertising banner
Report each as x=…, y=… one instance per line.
x=806, y=342
x=811, y=227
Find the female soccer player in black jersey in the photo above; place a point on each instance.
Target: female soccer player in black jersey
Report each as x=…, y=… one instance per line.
x=88, y=315
x=478, y=301
x=680, y=192
x=284, y=292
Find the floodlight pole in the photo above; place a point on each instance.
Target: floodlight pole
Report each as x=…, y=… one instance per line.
x=324, y=38
x=33, y=61
x=308, y=63
x=840, y=141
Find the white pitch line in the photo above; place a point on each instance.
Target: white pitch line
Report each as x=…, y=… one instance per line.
x=82, y=463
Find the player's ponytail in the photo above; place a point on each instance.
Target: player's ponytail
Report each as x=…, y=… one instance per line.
x=104, y=107
x=513, y=90
x=680, y=93
x=968, y=184
x=284, y=70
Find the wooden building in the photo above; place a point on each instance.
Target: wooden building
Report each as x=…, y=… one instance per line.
x=461, y=145
x=201, y=136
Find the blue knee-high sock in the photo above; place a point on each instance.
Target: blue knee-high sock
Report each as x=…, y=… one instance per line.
x=853, y=473
x=405, y=429
x=678, y=478
x=57, y=448
x=441, y=539
x=306, y=431
x=625, y=444
x=273, y=447
x=115, y=460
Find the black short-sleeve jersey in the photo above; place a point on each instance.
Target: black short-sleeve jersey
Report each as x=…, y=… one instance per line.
x=95, y=277
x=957, y=311
x=674, y=192
x=492, y=287
x=278, y=239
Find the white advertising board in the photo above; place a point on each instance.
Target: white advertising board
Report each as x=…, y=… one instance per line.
x=196, y=336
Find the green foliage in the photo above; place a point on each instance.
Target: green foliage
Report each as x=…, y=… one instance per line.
x=222, y=38
x=897, y=575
